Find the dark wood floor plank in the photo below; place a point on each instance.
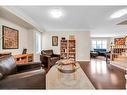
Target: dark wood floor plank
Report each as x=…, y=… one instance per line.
x=104, y=76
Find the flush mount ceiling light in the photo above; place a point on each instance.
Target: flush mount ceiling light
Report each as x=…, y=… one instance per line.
x=119, y=13
x=56, y=13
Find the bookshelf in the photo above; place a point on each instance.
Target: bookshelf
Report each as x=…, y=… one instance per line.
x=68, y=48
x=63, y=48
x=71, y=49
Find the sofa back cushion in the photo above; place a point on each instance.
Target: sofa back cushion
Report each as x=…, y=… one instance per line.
x=100, y=50
x=47, y=52
x=7, y=66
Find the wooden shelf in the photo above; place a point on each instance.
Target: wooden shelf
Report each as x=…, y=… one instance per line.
x=64, y=52
x=68, y=49
x=23, y=58
x=71, y=49
x=72, y=52
x=63, y=48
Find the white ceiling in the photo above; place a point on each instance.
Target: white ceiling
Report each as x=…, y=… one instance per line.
x=77, y=18
x=13, y=18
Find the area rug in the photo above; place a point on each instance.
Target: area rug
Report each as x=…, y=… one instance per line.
x=57, y=80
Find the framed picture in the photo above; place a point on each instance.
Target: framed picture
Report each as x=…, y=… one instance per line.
x=10, y=38
x=119, y=41
x=54, y=40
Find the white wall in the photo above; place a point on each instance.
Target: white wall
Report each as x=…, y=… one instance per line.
x=26, y=39
x=32, y=44
x=82, y=43
x=23, y=43
x=109, y=31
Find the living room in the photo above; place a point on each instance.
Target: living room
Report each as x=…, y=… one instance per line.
x=35, y=32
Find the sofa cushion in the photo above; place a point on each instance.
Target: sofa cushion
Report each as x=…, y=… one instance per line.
x=7, y=66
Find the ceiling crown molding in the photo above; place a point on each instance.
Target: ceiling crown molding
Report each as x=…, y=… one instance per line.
x=24, y=17
x=69, y=30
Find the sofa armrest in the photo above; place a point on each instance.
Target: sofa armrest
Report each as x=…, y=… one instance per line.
x=46, y=57
x=56, y=55
x=29, y=80
x=28, y=67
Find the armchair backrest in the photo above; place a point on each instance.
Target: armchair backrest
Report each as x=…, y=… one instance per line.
x=47, y=52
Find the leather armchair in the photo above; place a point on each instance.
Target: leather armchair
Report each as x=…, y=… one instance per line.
x=48, y=58
x=22, y=76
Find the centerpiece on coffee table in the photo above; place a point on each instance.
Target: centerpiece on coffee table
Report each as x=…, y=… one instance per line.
x=67, y=66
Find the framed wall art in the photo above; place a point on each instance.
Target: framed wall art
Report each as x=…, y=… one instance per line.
x=54, y=40
x=10, y=38
x=119, y=41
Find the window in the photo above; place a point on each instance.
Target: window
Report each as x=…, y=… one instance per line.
x=99, y=44
x=38, y=42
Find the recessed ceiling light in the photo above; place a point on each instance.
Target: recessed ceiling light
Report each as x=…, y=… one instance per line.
x=119, y=13
x=56, y=13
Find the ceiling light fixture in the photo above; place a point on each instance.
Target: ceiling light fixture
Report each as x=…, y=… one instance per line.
x=119, y=13
x=56, y=13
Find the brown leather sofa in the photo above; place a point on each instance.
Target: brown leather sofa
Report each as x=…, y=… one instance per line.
x=48, y=58
x=22, y=76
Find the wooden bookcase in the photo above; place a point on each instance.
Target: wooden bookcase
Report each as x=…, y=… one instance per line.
x=68, y=49
x=71, y=49
x=23, y=58
x=63, y=49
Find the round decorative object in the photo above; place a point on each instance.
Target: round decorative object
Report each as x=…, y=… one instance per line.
x=66, y=71
x=67, y=66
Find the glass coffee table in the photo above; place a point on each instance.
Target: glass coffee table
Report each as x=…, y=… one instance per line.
x=67, y=71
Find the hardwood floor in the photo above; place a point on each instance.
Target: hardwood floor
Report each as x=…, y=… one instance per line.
x=104, y=76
